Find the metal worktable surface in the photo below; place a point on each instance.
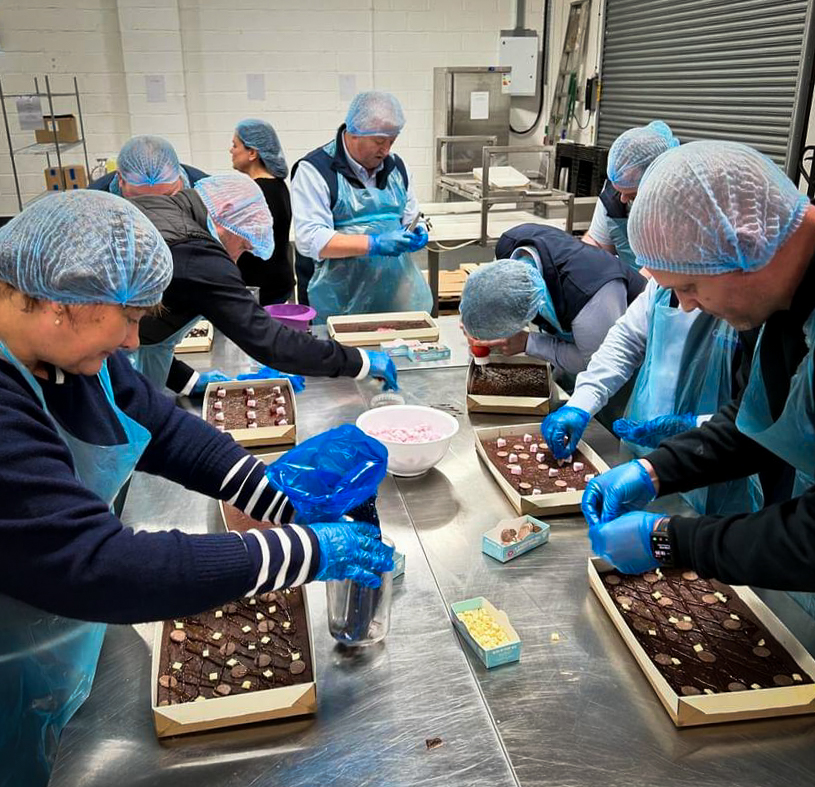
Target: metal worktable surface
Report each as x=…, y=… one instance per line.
x=576, y=711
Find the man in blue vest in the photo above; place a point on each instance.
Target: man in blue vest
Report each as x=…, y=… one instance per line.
x=629, y=157
x=353, y=202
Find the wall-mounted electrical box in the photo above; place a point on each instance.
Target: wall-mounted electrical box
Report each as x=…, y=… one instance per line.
x=519, y=50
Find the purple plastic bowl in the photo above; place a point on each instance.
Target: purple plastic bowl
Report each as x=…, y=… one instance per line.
x=292, y=315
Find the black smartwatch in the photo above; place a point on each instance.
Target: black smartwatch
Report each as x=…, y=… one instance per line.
x=661, y=543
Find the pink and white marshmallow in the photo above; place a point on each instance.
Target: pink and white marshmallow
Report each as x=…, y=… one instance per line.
x=553, y=471
x=500, y=442
x=578, y=466
x=512, y=458
x=516, y=470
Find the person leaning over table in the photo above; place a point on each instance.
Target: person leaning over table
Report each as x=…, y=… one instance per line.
x=353, y=202
x=256, y=152
x=628, y=158
x=208, y=228
x=573, y=293
x=78, y=271
x=147, y=165
x=730, y=234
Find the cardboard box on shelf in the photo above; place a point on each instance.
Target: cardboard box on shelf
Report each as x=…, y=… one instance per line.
x=54, y=179
x=67, y=129
x=75, y=177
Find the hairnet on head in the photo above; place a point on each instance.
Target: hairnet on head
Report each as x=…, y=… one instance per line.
x=236, y=203
x=713, y=207
x=634, y=150
x=85, y=247
x=499, y=299
x=375, y=114
x=147, y=161
x=260, y=136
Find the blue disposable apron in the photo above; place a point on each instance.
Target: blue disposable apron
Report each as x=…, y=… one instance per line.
x=365, y=285
x=792, y=436
x=677, y=378
x=154, y=360
x=47, y=662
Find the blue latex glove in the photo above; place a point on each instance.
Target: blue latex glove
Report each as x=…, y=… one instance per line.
x=383, y=368
x=205, y=378
x=625, y=542
x=298, y=383
x=563, y=429
x=616, y=492
x=390, y=244
x=652, y=432
x=352, y=551
x=419, y=239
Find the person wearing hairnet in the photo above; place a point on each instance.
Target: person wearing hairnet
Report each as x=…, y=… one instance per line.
x=208, y=228
x=78, y=271
x=723, y=227
x=257, y=153
x=147, y=165
x=628, y=158
x=572, y=292
x=353, y=205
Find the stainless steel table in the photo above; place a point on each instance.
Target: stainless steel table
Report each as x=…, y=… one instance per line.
x=574, y=711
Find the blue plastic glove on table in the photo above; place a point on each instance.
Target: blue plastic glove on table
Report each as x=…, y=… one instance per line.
x=625, y=542
x=616, y=492
x=205, y=378
x=391, y=244
x=563, y=429
x=652, y=432
x=298, y=382
x=419, y=238
x=352, y=551
x=383, y=368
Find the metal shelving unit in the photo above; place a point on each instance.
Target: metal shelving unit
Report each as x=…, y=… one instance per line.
x=55, y=148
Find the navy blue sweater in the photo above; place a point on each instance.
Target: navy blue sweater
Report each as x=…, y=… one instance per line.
x=61, y=549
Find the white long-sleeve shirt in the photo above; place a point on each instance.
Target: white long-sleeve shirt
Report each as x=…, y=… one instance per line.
x=311, y=205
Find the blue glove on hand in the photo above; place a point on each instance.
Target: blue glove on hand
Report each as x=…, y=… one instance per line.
x=651, y=433
x=390, y=244
x=616, y=492
x=352, y=550
x=625, y=542
x=298, y=383
x=205, y=378
x=563, y=429
x=383, y=368
x=419, y=238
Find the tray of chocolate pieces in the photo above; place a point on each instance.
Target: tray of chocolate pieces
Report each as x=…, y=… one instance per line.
x=514, y=384
x=246, y=661
x=198, y=339
x=711, y=652
x=358, y=330
x=528, y=473
x=254, y=412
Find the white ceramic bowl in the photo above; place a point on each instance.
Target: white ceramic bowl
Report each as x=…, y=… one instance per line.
x=410, y=459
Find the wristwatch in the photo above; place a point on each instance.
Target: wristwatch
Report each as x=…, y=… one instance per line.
x=661, y=543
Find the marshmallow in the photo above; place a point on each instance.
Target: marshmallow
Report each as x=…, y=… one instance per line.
x=276, y=389
x=553, y=471
x=577, y=466
x=251, y=415
x=512, y=459
x=219, y=416
x=280, y=400
x=500, y=442
x=218, y=405
x=588, y=476
x=540, y=457
x=536, y=491
x=219, y=427
x=252, y=425
x=221, y=393
x=533, y=448
x=280, y=410
x=571, y=488
x=516, y=470
x=252, y=403
x=528, y=438
x=249, y=391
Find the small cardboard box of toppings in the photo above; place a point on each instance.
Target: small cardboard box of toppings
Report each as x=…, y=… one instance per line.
x=198, y=339
x=254, y=412
x=513, y=537
x=487, y=631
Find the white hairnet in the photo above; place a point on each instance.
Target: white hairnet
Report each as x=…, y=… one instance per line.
x=713, y=207
x=634, y=150
x=375, y=114
x=85, y=247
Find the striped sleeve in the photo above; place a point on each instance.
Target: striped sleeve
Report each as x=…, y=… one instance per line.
x=246, y=487
x=283, y=557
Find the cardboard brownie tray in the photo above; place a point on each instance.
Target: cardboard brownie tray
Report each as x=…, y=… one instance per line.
x=686, y=711
x=197, y=344
x=513, y=405
x=374, y=337
x=263, y=435
x=550, y=503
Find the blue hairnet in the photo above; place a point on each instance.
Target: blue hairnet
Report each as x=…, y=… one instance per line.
x=85, y=247
x=713, y=207
x=260, y=136
x=147, y=160
x=634, y=150
x=375, y=114
x=499, y=299
x=236, y=203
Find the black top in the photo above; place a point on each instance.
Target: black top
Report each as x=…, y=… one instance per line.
x=775, y=547
x=274, y=276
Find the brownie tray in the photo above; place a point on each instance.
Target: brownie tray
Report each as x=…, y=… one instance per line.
x=197, y=344
x=374, y=337
x=512, y=405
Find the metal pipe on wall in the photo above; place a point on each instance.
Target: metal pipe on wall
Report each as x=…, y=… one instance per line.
x=520, y=14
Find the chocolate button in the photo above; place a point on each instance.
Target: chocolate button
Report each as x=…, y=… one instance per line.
x=223, y=689
x=690, y=691
x=239, y=671
x=230, y=609
x=627, y=600
x=691, y=576
x=736, y=686
x=297, y=667
x=665, y=602
x=761, y=652
x=650, y=578
x=612, y=579
x=265, y=626
x=684, y=625
x=782, y=680
x=707, y=657
x=709, y=598
x=178, y=635
x=228, y=649
x=264, y=660
x=168, y=681
x=732, y=625
x=663, y=658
